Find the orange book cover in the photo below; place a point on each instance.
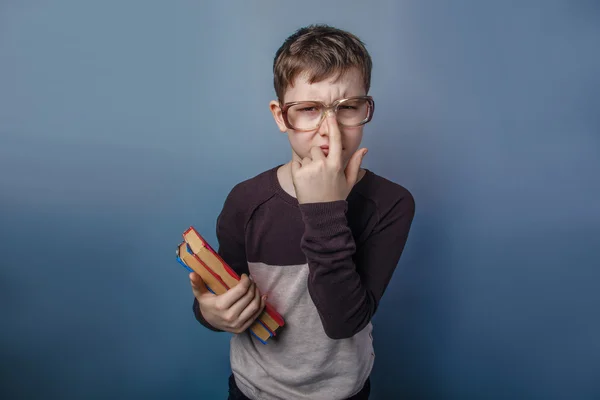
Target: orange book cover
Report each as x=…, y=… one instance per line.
x=216, y=286
x=214, y=263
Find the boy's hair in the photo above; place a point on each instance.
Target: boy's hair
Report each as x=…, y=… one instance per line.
x=320, y=51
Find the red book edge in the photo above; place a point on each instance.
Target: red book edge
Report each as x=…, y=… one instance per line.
x=268, y=308
x=213, y=273
x=227, y=267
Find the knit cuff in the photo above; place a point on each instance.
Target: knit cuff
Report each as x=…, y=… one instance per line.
x=325, y=219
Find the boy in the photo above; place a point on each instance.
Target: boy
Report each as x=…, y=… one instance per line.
x=319, y=236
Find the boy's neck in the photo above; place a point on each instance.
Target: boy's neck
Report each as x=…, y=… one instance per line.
x=284, y=176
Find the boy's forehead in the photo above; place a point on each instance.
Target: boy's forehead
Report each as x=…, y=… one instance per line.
x=335, y=86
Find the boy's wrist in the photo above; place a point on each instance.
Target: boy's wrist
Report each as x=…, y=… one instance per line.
x=325, y=218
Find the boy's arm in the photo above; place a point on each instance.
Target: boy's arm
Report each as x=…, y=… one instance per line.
x=230, y=235
x=346, y=294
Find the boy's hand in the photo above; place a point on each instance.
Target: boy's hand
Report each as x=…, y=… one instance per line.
x=318, y=178
x=233, y=311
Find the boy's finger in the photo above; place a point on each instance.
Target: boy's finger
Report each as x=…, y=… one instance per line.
x=239, y=306
x=335, y=140
x=251, y=307
x=198, y=284
x=228, y=298
x=253, y=317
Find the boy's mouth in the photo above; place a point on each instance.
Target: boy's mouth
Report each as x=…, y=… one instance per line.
x=325, y=149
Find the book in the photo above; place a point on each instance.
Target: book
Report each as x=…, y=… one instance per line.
x=216, y=286
x=216, y=264
x=195, y=254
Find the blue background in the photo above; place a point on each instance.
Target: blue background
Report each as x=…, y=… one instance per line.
x=124, y=122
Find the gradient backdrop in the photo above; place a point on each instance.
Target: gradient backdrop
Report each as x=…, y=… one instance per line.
x=124, y=122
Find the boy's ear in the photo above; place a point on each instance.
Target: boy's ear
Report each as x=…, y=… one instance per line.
x=277, y=115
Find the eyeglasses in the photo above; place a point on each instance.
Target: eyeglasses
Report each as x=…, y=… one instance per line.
x=308, y=115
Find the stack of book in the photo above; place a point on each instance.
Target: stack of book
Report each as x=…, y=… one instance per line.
x=195, y=254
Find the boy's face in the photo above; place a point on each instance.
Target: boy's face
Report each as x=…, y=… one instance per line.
x=327, y=91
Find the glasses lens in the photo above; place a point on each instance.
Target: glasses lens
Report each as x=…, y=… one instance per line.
x=304, y=116
x=307, y=115
x=353, y=112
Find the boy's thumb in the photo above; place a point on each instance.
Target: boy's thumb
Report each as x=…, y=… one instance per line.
x=353, y=167
x=198, y=284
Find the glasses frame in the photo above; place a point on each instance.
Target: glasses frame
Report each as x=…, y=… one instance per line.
x=333, y=106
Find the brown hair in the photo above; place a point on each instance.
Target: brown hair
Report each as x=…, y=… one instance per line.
x=321, y=51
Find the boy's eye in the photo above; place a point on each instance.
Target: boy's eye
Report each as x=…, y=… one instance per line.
x=308, y=109
x=343, y=107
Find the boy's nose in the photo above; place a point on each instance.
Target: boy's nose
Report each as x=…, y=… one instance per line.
x=329, y=118
x=329, y=112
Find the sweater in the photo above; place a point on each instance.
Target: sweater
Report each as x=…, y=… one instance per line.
x=325, y=267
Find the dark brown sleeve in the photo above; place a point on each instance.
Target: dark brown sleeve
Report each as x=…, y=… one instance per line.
x=230, y=235
x=346, y=294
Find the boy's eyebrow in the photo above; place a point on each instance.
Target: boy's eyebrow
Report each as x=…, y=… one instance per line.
x=343, y=95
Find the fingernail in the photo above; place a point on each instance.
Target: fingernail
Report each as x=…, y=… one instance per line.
x=365, y=152
x=265, y=297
